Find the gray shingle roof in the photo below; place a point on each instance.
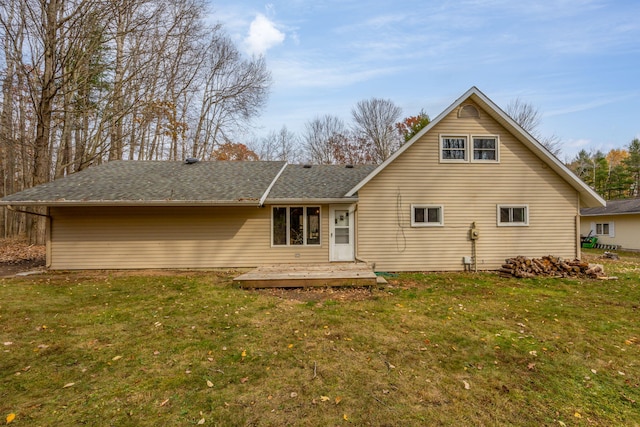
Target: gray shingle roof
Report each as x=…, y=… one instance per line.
x=158, y=181
x=318, y=181
x=615, y=207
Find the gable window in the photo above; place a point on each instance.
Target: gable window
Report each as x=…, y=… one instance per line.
x=457, y=148
x=427, y=215
x=295, y=225
x=485, y=148
x=513, y=215
x=454, y=148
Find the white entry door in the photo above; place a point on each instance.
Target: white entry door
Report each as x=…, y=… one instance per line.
x=341, y=225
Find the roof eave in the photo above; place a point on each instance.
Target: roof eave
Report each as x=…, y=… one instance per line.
x=610, y=214
x=87, y=203
x=307, y=201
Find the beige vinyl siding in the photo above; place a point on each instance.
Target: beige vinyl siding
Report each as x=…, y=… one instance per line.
x=172, y=237
x=626, y=229
x=468, y=192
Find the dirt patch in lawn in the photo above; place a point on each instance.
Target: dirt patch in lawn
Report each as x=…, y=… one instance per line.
x=321, y=294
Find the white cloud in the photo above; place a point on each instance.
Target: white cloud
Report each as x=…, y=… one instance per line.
x=263, y=35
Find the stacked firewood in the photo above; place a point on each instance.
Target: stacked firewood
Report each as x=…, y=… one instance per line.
x=550, y=266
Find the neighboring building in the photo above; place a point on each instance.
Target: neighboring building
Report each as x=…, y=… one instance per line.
x=617, y=224
x=471, y=166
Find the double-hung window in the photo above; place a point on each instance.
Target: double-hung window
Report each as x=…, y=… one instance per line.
x=453, y=148
x=295, y=225
x=485, y=148
x=427, y=215
x=513, y=215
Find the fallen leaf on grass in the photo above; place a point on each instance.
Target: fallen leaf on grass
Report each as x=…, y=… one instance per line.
x=68, y=385
x=244, y=353
x=466, y=385
x=338, y=400
x=201, y=422
x=116, y=358
x=244, y=380
x=209, y=384
x=8, y=343
x=344, y=417
x=531, y=366
x=324, y=398
x=10, y=418
x=577, y=415
x=164, y=402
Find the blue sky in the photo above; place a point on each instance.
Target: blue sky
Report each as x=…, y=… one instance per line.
x=577, y=61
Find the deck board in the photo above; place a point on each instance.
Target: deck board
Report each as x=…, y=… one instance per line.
x=308, y=275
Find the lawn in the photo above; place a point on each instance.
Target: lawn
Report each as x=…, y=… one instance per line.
x=190, y=348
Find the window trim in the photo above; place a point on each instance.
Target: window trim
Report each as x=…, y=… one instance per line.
x=441, y=148
x=512, y=224
x=469, y=149
x=305, y=226
x=426, y=223
x=497, y=149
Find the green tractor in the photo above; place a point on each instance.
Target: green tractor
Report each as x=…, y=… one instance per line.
x=589, y=241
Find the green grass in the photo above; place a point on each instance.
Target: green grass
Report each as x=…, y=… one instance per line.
x=111, y=348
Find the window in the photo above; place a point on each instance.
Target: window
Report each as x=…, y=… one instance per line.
x=427, y=215
x=485, y=148
x=295, y=225
x=604, y=229
x=513, y=215
x=454, y=148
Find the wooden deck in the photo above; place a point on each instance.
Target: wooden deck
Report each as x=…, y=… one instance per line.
x=309, y=275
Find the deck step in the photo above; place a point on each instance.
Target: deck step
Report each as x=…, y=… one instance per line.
x=308, y=275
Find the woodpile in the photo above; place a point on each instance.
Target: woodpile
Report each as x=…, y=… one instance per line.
x=549, y=266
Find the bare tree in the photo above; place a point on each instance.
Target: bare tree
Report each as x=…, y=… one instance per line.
x=375, y=120
x=328, y=141
x=87, y=81
x=280, y=145
x=234, y=90
x=530, y=119
x=321, y=136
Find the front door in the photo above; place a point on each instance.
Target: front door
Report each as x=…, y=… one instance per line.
x=341, y=225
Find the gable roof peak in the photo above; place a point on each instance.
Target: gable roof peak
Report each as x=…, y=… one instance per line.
x=588, y=195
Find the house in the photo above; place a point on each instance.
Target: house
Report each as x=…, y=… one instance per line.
x=470, y=188
x=617, y=224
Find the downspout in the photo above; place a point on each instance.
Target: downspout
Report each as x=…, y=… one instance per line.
x=578, y=242
x=11, y=208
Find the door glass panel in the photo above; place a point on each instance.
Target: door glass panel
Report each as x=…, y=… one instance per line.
x=342, y=235
x=342, y=218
